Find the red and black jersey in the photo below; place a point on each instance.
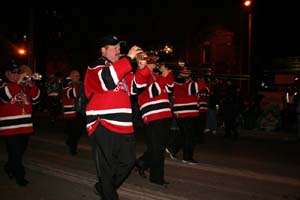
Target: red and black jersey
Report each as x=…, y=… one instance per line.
x=69, y=93
x=18, y=101
x=108, y=86
x=203, y=98
x=154, y=101
x=185, y=99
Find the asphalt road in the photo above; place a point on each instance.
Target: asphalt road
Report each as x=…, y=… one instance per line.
x=260, y=165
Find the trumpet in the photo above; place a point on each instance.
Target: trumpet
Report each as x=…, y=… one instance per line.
x=34, y=77
x=141, y=56
x=149, y=56
x=30, y=75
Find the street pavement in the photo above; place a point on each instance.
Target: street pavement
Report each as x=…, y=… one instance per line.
x=259, y=165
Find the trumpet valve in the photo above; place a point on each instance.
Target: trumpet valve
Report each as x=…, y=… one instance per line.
x=141, y=56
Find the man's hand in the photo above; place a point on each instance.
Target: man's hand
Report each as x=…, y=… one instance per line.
x=134, y=51
x=21, y=77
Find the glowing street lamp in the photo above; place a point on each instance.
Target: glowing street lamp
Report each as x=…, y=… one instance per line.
x=247, y=3
x=21, y=51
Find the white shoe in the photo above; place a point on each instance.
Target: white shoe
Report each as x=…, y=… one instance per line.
x=191, y=162
x=172, y=156
x=214, y=132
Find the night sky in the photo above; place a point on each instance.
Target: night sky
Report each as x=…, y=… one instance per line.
x=151, y=24
x=277, y=27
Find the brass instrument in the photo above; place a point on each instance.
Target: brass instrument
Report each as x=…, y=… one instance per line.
x=145, y=55
x=141, y=56
x=30, y=75
x=35, y=77
x=28, y=80
x=21, y=98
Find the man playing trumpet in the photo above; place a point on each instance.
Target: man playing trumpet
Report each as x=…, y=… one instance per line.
x=17, y=96
x=108, y=84
x=156, y=113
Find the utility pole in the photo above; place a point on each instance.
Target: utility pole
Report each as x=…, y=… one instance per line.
x=248, y=5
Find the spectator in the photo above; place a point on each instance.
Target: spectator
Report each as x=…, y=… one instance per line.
x=230, y=110
x=212, y=103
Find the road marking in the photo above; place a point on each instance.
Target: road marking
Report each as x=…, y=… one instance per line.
x=127, y=190
x=211, y=168
x=239, y=173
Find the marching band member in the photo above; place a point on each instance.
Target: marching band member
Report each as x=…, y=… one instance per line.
x=186, y=113
x=75, y=123
x=17, y=95
x=156, y=113
x=108, y=84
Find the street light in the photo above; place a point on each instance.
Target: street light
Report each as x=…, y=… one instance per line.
x=21, y=51
x=248, y=5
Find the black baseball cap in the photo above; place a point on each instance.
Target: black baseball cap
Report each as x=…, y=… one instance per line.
x=12, y=67
x=111, y=40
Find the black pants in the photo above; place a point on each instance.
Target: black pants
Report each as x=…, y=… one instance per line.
x=54, y=107
x=185, y=139
x=230, y=125
x=75, y=127
x=16, y=146
x=157, y=135
x=201, y=126
x=114, y=155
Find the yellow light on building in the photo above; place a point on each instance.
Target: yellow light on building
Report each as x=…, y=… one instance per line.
x=167, y=49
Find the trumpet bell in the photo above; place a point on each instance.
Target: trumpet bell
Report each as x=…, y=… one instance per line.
x=37, y=76
x=33, y=77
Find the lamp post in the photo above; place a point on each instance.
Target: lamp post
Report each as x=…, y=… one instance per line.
x=248, y=5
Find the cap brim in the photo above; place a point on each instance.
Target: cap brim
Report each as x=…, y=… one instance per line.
x=122, y=43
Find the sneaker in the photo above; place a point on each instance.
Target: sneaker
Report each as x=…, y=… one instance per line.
x=171, y=154
x=190, y=161
x=214, y=132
